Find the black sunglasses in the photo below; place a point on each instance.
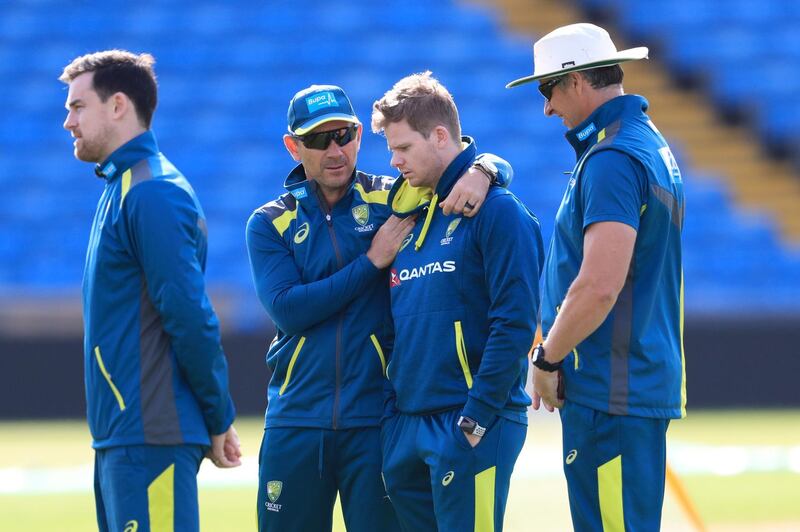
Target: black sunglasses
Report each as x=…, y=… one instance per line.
x=547, y=87
x=321, y=140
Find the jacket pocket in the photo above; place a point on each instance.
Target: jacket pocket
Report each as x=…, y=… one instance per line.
x=377, y=345
x=107, y=376
x=461, y=350
x=291, y=364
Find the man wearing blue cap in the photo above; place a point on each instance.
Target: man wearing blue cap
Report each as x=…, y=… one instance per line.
x=319, y=255
x=612, y=309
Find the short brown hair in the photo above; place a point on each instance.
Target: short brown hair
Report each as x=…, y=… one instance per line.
x=120, y=71
x=422, y=101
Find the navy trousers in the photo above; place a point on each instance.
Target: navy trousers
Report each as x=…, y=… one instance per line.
x=438, y=481
x=302, y=469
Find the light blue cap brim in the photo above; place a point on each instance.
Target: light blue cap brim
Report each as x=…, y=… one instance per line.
x=311, y=124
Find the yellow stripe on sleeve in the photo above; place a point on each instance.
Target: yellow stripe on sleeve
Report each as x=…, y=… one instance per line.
x=161, y=501
x=484, y=500
x=609, y=489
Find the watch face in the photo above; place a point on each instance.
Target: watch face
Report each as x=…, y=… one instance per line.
x=537, y=354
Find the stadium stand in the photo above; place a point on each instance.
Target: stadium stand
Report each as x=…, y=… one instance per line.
x=746, y=54
x=227, y=71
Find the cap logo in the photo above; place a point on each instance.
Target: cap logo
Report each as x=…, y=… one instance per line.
x=318, y=101
x=568, y=63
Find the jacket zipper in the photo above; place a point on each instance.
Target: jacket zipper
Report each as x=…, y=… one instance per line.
x=329, y=220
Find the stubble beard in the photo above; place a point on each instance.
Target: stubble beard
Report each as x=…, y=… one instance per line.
x=94, y=150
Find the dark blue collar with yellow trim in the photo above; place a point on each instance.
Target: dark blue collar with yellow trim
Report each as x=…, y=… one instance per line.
x=138, y=148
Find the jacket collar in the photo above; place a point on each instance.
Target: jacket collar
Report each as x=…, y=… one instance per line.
x=584, y=135
x=138, y=148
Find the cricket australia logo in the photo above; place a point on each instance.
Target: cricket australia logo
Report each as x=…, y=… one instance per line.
x=361, y=216
x=450, y=230
x=274, y=488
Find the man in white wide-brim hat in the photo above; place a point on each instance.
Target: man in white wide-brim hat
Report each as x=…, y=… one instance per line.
x=612, y=304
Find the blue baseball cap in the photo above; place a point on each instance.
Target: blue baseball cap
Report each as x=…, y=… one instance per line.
x=317, y=105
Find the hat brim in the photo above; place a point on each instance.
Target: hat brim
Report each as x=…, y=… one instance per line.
x=324, y=119
x=631, y=54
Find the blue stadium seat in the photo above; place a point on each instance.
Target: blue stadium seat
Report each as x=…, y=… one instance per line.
x=228, y=70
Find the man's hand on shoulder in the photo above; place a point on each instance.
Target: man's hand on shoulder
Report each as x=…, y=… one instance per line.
x=468, y=194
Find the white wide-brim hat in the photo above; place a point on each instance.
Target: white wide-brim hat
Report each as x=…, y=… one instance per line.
x=573, y=48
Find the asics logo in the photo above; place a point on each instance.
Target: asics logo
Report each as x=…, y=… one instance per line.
x=131, y=526
x=448, y=478
x=301, y=234
x=573, y=454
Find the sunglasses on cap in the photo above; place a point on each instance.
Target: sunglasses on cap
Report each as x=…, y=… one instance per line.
x=321, y=140
x=547, y=87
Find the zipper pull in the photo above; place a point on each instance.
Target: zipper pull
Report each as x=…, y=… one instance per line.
x=328, y=218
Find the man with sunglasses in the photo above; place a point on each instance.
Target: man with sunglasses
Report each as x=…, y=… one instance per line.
x=319, y=256
x=612, y=308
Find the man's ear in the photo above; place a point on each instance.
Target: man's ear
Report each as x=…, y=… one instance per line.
x=120, y=104
x=291, y=146
x=442, y=136
x=577, y=81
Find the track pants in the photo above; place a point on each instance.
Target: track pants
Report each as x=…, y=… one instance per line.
x=615, y=468
x=301, y=470
x=142, y=488
x=438, y=481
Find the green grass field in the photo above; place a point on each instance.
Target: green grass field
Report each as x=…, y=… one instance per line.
x=741, y=469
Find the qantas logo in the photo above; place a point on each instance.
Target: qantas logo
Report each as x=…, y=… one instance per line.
x=406, y=274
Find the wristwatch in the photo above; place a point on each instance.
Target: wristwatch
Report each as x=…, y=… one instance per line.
x=470, y=426
x=541, y=363
x=488, y=168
